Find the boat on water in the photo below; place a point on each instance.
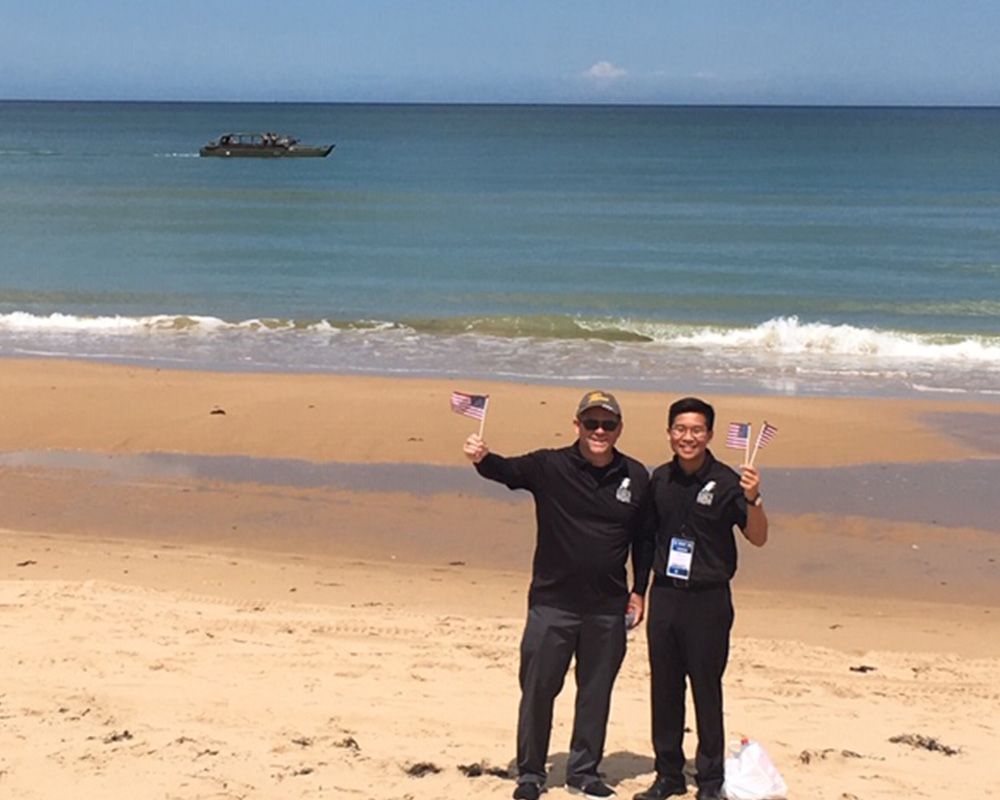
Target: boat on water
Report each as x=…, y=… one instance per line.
x=262, y=145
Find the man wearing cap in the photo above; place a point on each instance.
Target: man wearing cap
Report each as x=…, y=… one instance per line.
x=587, y=499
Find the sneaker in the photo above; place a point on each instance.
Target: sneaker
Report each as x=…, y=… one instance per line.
x=590, y=787
x=661, y=789
x=527, y=790
x=709, y=794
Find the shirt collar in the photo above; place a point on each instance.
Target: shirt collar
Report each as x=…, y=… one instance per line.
x=699, y=476
x=578, y=458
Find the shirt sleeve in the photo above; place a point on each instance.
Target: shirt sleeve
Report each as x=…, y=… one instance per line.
x=738, y=506
x=518, y=472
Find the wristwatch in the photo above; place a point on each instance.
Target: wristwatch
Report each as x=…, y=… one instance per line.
x=757, y=502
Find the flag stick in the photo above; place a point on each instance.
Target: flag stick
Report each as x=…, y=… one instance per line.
x=746, y=448
x=756, y=445
x=482, y=422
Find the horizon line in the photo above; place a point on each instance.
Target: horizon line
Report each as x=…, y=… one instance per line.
x=508, y=103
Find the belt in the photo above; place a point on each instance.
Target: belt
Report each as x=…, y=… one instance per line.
x=663, y=581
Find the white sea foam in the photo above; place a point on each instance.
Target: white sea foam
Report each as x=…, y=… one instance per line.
x=790, y=336
x=784, y=336
x=69, y=323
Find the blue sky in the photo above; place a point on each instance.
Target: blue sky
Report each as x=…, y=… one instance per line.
x=908, y=52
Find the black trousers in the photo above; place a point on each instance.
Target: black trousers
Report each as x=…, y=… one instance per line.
x=552, y=637
x=688, y=631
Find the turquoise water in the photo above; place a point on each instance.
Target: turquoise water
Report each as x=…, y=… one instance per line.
x=799, y=251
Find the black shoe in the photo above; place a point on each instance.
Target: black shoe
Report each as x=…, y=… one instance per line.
x=590, y=787
x=709, y=794
x=527, y=790
x=661, y=789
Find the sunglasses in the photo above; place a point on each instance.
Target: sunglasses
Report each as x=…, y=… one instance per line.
x=608, y=425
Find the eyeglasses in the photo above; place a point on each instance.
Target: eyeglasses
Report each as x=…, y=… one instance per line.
x=697, y=432
x=609, y=425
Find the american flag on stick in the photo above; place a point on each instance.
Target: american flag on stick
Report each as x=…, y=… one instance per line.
x=470, y=405
x=767, y=433
x=738, y=437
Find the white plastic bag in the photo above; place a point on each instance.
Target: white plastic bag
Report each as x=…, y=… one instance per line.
x=751, y=775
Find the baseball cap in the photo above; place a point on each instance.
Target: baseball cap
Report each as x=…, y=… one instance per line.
x=598, y=399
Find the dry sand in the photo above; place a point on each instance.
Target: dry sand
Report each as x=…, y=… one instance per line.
x=177, y=637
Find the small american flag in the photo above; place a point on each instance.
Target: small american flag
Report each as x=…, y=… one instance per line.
x=738, y=435
x=767, y=433
x=469, y=405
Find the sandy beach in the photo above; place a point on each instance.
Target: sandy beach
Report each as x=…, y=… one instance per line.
x=234, y=585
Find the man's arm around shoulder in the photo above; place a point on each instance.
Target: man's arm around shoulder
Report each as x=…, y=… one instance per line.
x=643, y=544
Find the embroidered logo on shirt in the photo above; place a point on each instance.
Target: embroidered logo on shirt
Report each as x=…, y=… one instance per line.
x=707, y=494
x=624, y=493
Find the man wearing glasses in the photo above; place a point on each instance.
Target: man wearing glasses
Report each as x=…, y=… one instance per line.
x=587, y=499
x=694, y=504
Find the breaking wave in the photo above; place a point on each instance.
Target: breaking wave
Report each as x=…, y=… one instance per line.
x=781, y=355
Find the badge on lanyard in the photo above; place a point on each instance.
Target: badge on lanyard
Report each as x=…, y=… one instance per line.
x=679, y=562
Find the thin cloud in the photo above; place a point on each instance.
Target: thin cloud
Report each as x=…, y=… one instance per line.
x=605, y=71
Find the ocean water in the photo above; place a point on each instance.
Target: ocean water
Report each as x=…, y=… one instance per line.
x=799, y=251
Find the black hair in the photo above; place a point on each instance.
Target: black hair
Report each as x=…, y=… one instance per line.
x=691, y=405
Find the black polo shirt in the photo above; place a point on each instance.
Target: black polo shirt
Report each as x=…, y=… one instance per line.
x=588, y=521
x=703, y=507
